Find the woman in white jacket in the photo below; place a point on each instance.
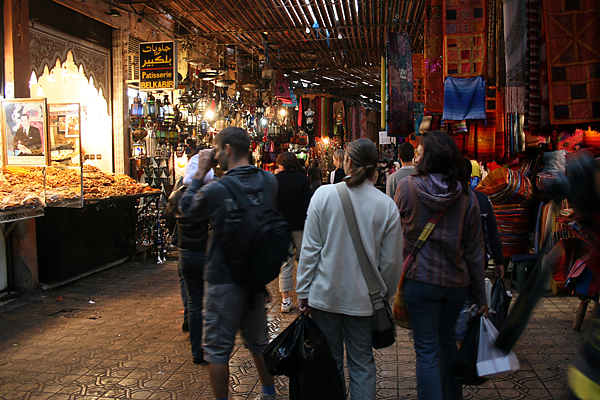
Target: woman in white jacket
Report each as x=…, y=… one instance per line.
x=330, y=283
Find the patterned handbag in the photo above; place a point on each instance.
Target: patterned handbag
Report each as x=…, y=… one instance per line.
x=400, y=314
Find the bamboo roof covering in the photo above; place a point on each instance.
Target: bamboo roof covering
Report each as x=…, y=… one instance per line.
x=334, y=44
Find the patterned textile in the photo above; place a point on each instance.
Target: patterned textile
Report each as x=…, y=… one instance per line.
x=464, y=98
x=362, y=121
x=355, y=123
x=434, y=75
x=464, y=23
x=400, y=89
x=573, y=37
x=533, y=95
x=515, y=37
x=418, y=64
x=500, y=140
x=318, y=116
x=325, y=116
x=482, y=139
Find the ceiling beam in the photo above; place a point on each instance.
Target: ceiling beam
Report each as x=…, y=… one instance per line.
x=302, y=29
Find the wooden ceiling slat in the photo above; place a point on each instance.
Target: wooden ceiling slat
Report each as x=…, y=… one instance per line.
x=249, y=24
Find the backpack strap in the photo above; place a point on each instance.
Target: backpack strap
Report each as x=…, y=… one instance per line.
x=231, y=184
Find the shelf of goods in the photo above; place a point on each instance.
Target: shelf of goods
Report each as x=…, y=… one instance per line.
x=75, y=234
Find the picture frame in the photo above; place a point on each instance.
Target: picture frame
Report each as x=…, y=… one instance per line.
x=25, y=132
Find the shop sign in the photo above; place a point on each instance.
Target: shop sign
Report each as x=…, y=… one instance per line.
x=158, y=63
x=384, y=138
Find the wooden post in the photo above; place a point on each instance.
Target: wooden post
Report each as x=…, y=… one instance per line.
x=17, y=67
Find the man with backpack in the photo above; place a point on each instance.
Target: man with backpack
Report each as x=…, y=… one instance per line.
x=236, y=204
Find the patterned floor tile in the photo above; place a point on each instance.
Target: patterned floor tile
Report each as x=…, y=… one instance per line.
x=129, y=345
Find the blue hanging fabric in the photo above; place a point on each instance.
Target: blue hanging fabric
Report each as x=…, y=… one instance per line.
x=464, y=98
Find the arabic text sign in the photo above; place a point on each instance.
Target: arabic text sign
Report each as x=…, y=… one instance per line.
x=157, y=65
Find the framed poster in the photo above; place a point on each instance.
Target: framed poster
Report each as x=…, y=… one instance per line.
x=24, y=132
x=64, y=123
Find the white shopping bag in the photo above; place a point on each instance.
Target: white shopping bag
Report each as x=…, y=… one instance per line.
x=490, y=360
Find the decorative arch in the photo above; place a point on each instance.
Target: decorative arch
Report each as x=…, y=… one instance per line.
x=48, y=45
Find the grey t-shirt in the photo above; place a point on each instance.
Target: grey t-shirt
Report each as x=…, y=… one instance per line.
x=393, y=180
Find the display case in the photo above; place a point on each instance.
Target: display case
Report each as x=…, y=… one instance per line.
x=64, y=178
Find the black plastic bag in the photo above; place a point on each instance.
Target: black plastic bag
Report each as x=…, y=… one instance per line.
x=302, y=353
x=317, y=376
x=500, y=303
x=278, y=353
x=464, y=366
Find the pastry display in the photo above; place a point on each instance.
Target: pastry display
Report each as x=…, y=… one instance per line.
x=24, y=186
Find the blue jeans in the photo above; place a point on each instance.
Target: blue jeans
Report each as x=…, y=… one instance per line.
x=433, y=311
x=184, y=295
x=191, y=264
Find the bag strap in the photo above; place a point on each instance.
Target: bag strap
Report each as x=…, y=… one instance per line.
x=231, y=183
x=363, y=259
x=429, y=226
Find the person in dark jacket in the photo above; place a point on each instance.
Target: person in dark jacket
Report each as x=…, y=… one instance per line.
x=491, y=237
x=293, y=196
x=229, y=307
x=191, y=237
x=315, y=176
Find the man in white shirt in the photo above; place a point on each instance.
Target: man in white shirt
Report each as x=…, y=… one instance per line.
x=407, y=154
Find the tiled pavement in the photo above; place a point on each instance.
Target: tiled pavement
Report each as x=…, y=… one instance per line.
x=117, y=334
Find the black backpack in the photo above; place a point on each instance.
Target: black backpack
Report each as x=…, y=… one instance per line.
x=261, y=243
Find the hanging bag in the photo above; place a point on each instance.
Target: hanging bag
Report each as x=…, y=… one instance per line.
x=491, y=361
x=400, y=314
x=383, y=331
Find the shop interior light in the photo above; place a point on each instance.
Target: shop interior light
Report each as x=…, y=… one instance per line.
x=64, y=72
x=210, y=114
x=50, y=77
x=264, y=121
x=282, y=112
x=40, y=91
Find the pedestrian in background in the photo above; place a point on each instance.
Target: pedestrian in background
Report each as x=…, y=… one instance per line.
x=449, y=265
x=338, y=160
x=407, y=154
x=330, y=281
x=315, y=176
x=293, y=196
x=191, y=238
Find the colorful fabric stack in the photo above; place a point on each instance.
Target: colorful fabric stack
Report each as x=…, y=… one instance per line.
x=434, y=74
x=511, y=195
x=573, y=60
x=400, y=85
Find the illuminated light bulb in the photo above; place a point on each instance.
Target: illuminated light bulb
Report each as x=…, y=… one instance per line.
x=326, y=141
x=182, y=162
x=282, y=112
x=64, y=73
x=40, y=91
x=50, y=78
x=339, y=36
x=210, y=114
x=264, y=121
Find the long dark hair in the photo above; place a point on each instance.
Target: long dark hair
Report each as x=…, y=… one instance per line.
x=441, y=156
x=364, y=155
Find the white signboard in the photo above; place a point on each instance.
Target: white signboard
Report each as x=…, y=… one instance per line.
x=384, y=138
